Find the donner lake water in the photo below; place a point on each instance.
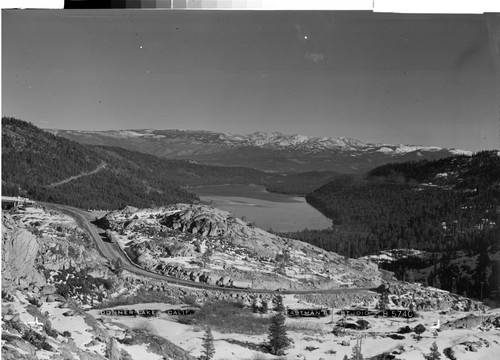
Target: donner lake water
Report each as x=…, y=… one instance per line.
x=267, y=210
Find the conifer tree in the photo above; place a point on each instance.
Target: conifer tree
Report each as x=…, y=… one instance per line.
x=208, y=350
x=383, y=301
x=356, y=351
x=207, y=257
x=449, y=353
x=279, y=307
x=255, y=307
x=278, y=339
x=264, y=307
x=118, y=266
x=434, y=355
x=419, y=329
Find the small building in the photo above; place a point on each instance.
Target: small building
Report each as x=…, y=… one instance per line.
x=9, y=202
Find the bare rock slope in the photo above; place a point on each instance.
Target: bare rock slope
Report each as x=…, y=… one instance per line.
x=50, y=268
x=19, y=251
x=204, y=244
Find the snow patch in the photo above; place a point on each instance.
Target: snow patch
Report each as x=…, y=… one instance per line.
x=460, y=152
x=385, y=150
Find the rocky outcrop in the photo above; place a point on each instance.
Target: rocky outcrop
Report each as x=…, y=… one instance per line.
x=472, y=321
x=36, y=238
x=204, y=244
x=160, y=248
x=196, y=222
x=426, y=298
x=11, y=353
x=407, y=296
x=19, y=251
x=113, y=351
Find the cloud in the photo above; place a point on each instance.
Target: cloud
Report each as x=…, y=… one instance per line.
x=314, y=57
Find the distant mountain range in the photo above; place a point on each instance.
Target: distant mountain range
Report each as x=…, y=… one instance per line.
x=270, y=152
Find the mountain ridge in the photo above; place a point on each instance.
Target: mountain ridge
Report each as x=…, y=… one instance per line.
x=271, y=152
x=274, y=139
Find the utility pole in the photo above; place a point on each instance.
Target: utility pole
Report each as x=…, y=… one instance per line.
x=482, y=282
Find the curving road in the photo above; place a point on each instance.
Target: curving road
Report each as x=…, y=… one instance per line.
x=100, y=167
x=112, y=251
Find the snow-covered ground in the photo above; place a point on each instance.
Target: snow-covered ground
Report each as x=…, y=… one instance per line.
x=44, y=220
x=76, y=325
x=315, y=334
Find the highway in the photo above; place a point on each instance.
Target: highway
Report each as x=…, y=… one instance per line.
x=112, y=251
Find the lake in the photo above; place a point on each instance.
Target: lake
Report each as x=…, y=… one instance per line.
x=267, y=210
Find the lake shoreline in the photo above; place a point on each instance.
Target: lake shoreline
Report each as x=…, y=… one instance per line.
x=271, y=191
x=267, y=210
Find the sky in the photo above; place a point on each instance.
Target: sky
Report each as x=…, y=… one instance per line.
x=377, y=77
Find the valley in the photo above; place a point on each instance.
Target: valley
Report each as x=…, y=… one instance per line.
x=266, y=210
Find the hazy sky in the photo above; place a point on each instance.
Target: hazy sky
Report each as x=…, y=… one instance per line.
x=414, y=79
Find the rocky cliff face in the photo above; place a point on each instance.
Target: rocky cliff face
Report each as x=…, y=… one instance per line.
x=42, y=246
x=45, y=256
x=203, y=244
x=19, y=251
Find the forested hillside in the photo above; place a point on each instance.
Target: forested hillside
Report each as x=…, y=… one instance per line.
x=33, y=159
x=441, y=206
x=183, y=172
x=299, y=183
x=386, y=216
x=438, y=205
x=481, y=171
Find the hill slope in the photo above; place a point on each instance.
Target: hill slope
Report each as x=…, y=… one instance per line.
x=274, y=152
x=443, y=207
x=33, y=160
x=434, y=205
x=481, y=171
x=204, y=244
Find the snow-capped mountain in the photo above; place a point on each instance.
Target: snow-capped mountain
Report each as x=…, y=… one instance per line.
x=265, y=151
